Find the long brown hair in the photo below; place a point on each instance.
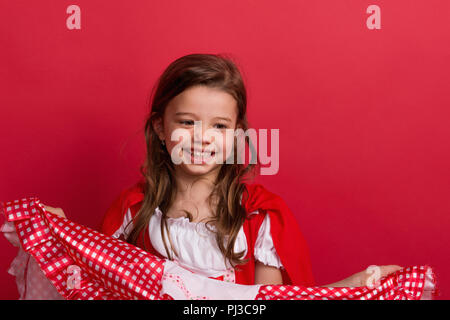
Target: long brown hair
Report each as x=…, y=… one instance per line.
x=215, y=71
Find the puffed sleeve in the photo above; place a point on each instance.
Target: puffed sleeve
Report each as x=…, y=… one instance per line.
x=125, y=228
x=264, y=249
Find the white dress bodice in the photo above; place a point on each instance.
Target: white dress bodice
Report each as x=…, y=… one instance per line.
x=197, y=247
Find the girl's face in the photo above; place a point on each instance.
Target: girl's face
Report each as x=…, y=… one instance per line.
x=204, y=114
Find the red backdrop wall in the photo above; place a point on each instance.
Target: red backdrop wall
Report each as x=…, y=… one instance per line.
x=363, y=114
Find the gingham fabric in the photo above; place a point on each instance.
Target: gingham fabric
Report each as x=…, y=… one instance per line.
x=82, y=263
x=409, y=283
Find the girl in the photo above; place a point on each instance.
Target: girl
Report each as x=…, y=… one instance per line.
x=202, y=213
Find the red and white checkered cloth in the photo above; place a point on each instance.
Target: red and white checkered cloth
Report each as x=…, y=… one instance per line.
x=81, y=263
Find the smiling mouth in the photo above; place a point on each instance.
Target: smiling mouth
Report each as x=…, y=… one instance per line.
x=199, y=158
x=199, y=154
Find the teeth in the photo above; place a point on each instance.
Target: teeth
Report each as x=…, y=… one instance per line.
x=201, y=154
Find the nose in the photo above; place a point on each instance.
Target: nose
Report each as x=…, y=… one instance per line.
x=201, y=136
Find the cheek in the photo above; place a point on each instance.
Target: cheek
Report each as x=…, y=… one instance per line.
x=227, y=144
x=180, y=136
x=177, y=145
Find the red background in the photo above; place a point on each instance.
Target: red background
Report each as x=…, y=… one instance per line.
x=363, y=114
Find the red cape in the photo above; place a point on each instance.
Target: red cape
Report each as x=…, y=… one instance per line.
x=288, y=240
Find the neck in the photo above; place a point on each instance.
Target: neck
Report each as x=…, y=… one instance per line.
x=194, y=188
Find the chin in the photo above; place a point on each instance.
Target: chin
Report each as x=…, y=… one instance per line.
x=199, y=169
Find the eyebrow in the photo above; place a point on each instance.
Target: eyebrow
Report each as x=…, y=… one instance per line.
x=191, y=114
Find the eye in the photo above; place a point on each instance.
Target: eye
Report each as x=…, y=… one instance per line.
x=221, y=126
x=187, y=122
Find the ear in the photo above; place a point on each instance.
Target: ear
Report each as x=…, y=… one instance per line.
x=158, y=126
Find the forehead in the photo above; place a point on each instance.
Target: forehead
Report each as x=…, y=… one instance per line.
x=204, y=102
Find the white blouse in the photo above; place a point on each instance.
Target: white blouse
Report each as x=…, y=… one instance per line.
x=197, y=247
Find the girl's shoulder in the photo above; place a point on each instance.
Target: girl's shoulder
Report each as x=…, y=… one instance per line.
x=129, y=197
x=256, y=197
x=134, y=194
x=287, y=237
